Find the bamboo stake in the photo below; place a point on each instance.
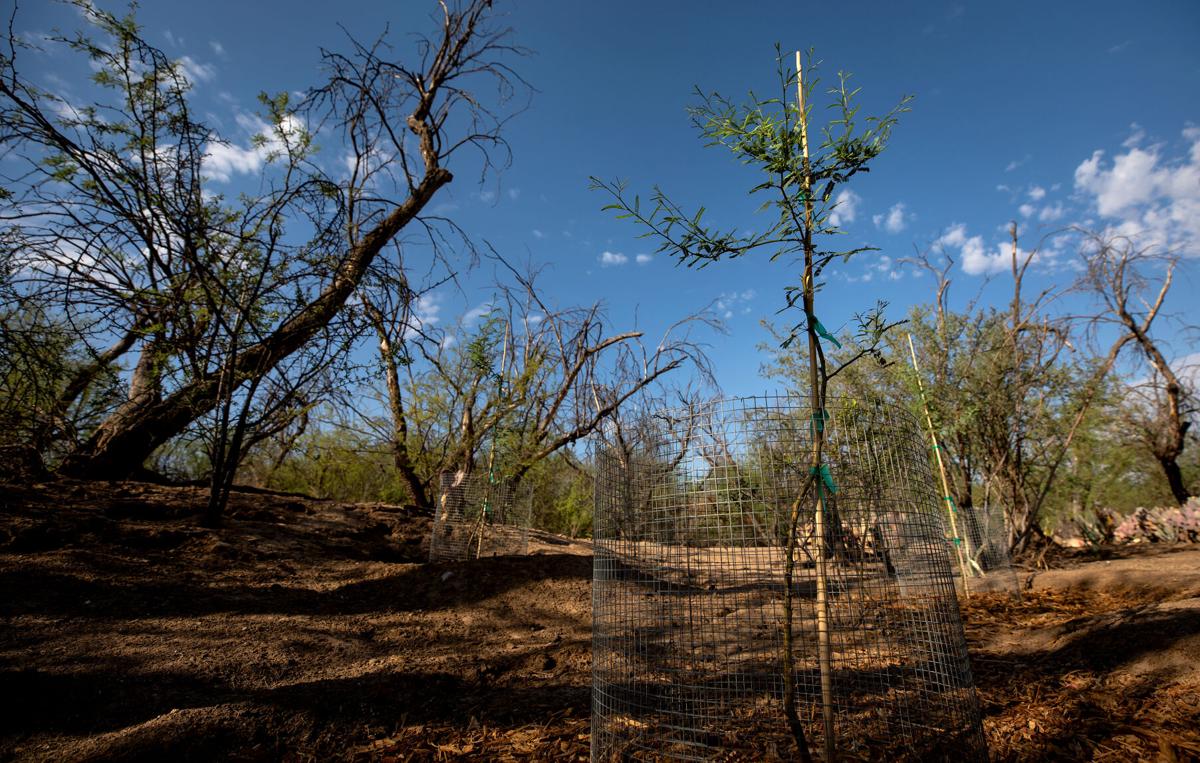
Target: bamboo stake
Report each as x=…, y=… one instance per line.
x=824, y=650
x=937, y=452
x=487, y=493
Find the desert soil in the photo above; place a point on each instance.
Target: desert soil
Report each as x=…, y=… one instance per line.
x=311, y=630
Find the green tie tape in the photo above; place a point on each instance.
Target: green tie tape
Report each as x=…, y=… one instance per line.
x=823, y=476
x=823, y=333
x=818, y=420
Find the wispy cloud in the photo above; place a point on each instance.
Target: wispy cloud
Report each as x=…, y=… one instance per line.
x=1015, y=163
x=645, y=259
x=475, y=314
x=217, y=48
x=612, y=259
x=892, y=221
x=425, y=314
x=195, y=71
x=1052, y=212
x=1136, y=135
x=1119, y=46
x=224, y=160
x=538, y=234
x=730, y=303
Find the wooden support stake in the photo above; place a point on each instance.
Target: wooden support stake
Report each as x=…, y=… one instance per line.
x=937, y=452
x=824, y=648
x=487, y=491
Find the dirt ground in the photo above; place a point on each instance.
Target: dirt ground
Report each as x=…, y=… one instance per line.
x=311, y=630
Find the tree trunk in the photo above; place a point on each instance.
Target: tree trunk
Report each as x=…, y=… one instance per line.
x=400, y=455
x=1175, y=479
x=126, y=439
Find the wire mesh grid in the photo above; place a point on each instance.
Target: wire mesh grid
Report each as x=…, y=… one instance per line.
x=697, y=514
x=479, y=516
x=986, y=557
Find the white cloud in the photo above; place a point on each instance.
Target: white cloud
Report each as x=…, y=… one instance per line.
x=644, y=259
x=1037, y=193
x=845, y=208
x=217, y=48
x=612, y=259
x=1026, y=210
x=1146, y=195
x=1051, y=212
x=955, y=236
x=513, y=193
x=538, y=234
x=893, y=220
x=487, y=197
x=425, y=314
x=195, y=71
x=473, y=316
x=1128, y=183
x=224, y=160
x=1187, y=368
x=427, y=308
x=973, y=255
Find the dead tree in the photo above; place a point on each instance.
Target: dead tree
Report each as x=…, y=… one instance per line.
x=1118, y=273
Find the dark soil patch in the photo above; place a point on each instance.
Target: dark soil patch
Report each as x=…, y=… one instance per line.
x=310, y=630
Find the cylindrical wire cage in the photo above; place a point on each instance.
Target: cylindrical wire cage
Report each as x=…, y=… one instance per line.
x=703, y=517
x=478, y=516
x=985, y=551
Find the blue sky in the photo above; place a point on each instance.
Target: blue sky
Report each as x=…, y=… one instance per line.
x=1049, y=114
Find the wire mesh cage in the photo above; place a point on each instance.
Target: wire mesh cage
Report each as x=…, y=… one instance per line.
x=479, y=516
x=735, y=620
x=986, y=558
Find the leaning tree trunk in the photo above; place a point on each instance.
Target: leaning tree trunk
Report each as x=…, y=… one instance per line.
x=1175, y=479
x=123, y=442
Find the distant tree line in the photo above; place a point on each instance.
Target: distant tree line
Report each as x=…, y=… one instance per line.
x=1031, y=412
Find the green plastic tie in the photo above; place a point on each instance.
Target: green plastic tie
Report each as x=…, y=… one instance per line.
x=818, y=420
x=953, y=506
x=957, y=541
x=823, y=475
x=823, y=333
